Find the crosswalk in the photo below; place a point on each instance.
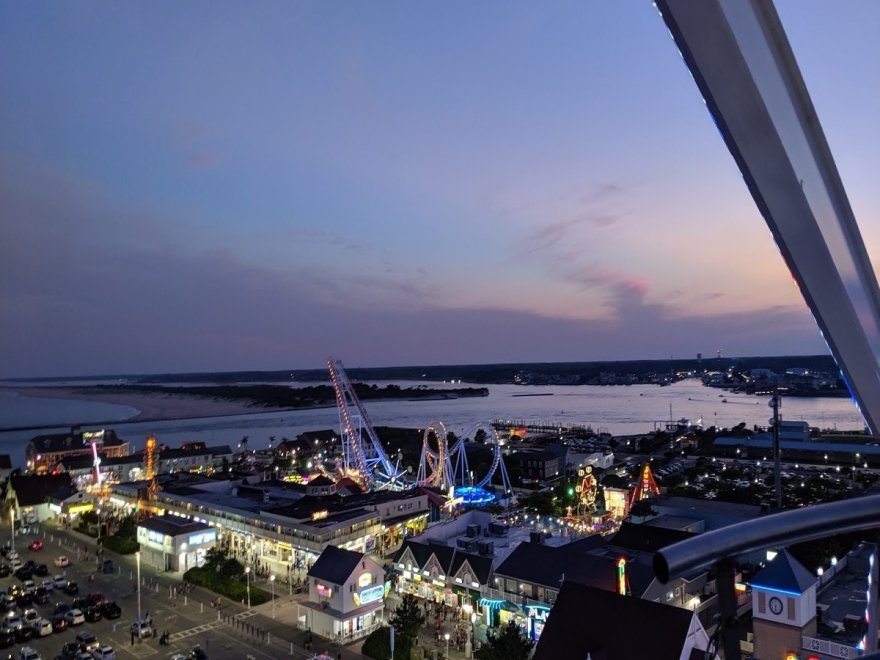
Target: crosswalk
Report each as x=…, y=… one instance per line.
x=205, y=627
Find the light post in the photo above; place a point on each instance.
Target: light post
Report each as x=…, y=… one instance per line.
x=137, y=557
x=12, y=528
x=272, y=582
x=446, y=636
x=247, y=574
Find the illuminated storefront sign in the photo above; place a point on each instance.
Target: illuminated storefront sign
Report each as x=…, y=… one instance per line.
x=369, y=595
x=80, y=508
x=537, y=615
x=320, y=515
x=365, y=580
x=323, y=590
x=93, y=436
x=203, y=537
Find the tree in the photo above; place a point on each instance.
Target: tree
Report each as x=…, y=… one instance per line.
x=408, y=618
x=642, y=509
x=507, y=644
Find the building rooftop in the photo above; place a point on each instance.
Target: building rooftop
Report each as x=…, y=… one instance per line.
x=335, y=565
x=786, y=573
x=588, y=622
x=32, y=489
x=645, y=538
x=172, y=525
x=72, y=441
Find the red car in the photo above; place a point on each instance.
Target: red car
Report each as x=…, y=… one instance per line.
x=36, y=544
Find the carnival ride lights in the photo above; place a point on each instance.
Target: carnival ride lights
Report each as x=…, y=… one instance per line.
x=363, y=458
x=448, y=468
x=646, y=486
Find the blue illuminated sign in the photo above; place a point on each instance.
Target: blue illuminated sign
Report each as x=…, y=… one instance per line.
x=372, y=594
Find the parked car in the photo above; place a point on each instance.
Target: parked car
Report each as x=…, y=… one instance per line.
x=104, y=653
x=87, y=641
x=47, y=584
x=69, y=651
x=35, y=545
x=42, y=570
x=5, y=570
x=62, y=608
x=29, y=586
x=141, y=629
x=12, y=554
x=30, y=564
x=31, y=616
x=92, y=614
x=96, y=598
x=71, y=589
x=197, y=653
x=59, y=623
x=27, y=653
x=75, y=617
x=41, y=596
x=7, y=638
x=60, y=581
x=23, y=599
x=23, y=573
x=14, y=621
x=24, y=634
x=43, y=628
x=111, y=610
x=15, y=564
x=61, y=562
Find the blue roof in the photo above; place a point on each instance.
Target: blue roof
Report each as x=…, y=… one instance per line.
x=784, y=573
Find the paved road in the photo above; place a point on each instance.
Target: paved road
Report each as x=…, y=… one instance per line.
x=236, y=633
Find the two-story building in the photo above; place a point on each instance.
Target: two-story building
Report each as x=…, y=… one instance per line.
x=44, y=451
x=346, y=595
x=172, y=543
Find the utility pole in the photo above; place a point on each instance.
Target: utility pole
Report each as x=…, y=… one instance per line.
x=777, y=479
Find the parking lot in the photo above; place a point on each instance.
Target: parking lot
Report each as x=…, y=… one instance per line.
x=234, y=632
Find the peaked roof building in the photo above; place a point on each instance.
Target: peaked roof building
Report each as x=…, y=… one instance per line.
x=588, y=622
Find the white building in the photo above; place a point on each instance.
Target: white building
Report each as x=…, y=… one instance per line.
x=346, y=595
x=171, y=543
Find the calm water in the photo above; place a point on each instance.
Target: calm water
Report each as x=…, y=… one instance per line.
x=619, y=410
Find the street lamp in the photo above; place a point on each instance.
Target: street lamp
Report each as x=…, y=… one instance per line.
x=446, y=636
x=12, y=527
x=247, y=574
x=272, y=582
x=137, y=556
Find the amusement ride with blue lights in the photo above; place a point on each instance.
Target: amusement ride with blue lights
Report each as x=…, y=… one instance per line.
x=443, y=467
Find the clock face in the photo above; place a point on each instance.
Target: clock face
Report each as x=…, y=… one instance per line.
x=775, y=605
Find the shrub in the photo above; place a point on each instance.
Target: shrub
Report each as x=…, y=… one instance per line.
x=378, y=645
x=120, y=545
x=232, y=588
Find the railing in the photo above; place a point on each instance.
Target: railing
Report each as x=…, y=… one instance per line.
x=721, y=546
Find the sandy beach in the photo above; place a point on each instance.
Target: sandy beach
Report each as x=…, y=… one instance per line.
x=152, y=406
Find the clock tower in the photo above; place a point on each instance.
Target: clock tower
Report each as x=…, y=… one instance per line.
x=783, y=607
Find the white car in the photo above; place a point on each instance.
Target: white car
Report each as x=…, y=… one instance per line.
x=12, y=554
x=27, y=653
x=13, y=622
x=43, y=628
x=15, y=564
x=61, y=561
x=59, y=581
x=31, y=616
x=141, y=629
x=104, y=653
x=75, y=617
x=29, y=586
x=48, y=585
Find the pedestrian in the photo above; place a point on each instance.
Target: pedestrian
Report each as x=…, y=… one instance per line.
x=132, y=636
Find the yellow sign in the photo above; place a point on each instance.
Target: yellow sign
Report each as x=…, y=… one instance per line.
x=320, y=515
x=365, y=580
x=80, y=508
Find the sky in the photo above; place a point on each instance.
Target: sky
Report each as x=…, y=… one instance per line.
x=209, y=186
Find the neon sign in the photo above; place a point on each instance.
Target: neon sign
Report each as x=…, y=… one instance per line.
x=621, y=576
x=322, y=590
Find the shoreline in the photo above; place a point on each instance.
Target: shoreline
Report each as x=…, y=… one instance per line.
x=150, y=407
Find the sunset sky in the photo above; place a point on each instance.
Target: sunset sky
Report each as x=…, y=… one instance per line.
x=233, y=185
